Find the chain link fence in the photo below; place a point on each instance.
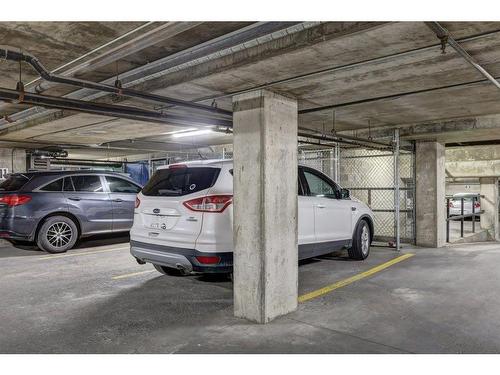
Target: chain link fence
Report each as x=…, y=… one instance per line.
x=180, y=156
x=369, y=175
x=325, y=161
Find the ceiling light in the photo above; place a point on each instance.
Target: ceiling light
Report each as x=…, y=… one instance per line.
x=91, y=132
x=180, y=131
x=192, y=133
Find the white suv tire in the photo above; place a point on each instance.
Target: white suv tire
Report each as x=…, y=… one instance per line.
x=361, y=241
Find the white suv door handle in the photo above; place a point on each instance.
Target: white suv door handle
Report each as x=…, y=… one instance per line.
x=320, y=206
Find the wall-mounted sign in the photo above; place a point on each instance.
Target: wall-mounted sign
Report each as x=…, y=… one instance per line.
x=3, y=173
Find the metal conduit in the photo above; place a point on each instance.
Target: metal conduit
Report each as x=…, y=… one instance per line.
x=352, y=141
x=9, y=53
x=134, y=45
x=132, y=113
x=347, y=137
x=111, y=42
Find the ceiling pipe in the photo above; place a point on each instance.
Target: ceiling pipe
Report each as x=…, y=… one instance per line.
x=72, y=70
x=134, y=113
x=95, y=50
x=445, y=37
x=350, y=141
x=12, y=54
x=110, y=110
x=347, y=137
x=139, y=43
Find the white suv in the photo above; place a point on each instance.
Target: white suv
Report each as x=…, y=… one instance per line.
x=183, y=220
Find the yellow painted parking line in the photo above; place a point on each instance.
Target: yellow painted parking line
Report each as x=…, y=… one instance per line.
x=350, y=280
x=48, y=257
x=131, y=274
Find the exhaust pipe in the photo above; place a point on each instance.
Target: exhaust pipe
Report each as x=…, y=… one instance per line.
x=140, y=261
x=183, y=270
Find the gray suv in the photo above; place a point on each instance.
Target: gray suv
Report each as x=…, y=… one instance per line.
x=55, y=209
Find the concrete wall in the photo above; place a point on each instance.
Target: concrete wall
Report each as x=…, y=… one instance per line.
x=13, y=159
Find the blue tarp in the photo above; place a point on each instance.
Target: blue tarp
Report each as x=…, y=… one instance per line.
x=138, y=172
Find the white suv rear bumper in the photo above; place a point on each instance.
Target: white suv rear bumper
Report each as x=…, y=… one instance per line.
x=180, y=258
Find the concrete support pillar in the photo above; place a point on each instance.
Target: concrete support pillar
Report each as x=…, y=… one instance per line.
x=489, y=204
x=265, y=205
x=430, y=194
x=12, y=160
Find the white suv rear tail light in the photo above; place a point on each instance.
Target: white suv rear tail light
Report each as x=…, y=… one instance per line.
x=211, y=203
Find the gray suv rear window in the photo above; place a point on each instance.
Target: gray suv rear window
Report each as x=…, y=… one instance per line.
x=175, y=182
x=14, y=183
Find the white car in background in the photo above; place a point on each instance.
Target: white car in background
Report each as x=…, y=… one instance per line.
x=183, y=220
x=455, y=205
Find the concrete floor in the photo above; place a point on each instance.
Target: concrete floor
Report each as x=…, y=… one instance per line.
x=439, y=301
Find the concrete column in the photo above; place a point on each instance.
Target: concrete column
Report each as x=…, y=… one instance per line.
x=12, y=160
x=265, y=205
x=430, y=194
x=489, y=204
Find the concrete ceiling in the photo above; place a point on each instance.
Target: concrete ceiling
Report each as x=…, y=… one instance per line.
x=388, y=74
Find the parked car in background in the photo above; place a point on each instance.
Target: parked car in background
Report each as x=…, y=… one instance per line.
x=54, y=209
x=455, y=205
x=183, y=218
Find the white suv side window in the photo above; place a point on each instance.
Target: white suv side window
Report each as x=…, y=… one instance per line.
x=319, y=186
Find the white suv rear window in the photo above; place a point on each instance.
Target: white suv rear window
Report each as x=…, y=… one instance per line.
x=180, y=181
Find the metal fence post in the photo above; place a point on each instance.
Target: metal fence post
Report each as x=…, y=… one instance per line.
x=473, y=214
x=396, y=190
x=447, y=219
x=462, y=220
x=337, y=163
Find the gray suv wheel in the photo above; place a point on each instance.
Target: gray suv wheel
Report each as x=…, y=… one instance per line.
x=57, y=234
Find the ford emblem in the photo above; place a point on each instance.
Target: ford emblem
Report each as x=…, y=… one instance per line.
x=156, y=211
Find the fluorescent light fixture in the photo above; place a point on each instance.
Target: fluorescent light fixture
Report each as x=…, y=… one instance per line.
x=192, y=133
x=180, y=131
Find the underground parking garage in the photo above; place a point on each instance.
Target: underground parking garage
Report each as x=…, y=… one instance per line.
x=249, y=187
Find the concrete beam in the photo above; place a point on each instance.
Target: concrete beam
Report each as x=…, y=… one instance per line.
x=430, y=194
x=473, y=153
x=473, y=168
x=265, y=206
x=478, y=128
